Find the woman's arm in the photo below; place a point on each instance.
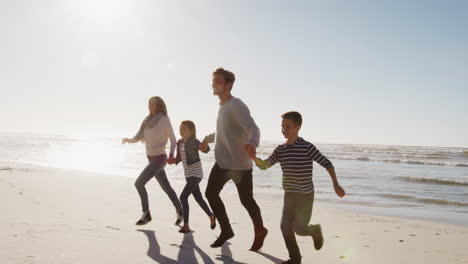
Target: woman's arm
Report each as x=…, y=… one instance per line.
x=138, y=136
x=171, y=135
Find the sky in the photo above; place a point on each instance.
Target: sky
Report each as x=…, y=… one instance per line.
x=360, y=72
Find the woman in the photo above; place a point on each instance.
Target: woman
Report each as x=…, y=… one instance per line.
x=155, y=131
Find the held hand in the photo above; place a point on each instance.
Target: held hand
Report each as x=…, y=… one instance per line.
x=125, y=140
x=339, y=190
x=203, y=146
x=250, y=150
x=171, y=160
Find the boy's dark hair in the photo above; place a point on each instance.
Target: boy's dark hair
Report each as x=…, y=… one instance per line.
x=191, y=126
x=229, y=77
x=293, y=116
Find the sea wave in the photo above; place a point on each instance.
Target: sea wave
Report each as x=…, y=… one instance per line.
x=433, y=181
x=429, y=161
x=420, y=200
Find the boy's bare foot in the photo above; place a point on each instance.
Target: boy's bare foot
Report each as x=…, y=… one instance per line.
x=317, y=237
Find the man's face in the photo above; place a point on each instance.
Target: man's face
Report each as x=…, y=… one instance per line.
x=220, y=86
x=289, y=128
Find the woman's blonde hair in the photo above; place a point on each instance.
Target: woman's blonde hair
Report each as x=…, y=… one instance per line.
x=160, y=105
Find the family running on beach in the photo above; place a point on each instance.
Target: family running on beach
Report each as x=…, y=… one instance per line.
x=236, y=139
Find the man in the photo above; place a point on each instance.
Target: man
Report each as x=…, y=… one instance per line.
x=236, y=135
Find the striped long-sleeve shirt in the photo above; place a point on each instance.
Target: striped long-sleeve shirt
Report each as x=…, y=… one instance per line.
x=296, y=164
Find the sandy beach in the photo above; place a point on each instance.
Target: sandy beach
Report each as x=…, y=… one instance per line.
x=63, y=216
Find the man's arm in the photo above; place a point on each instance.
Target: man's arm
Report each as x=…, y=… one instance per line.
x=208, y=139
x=245, y=120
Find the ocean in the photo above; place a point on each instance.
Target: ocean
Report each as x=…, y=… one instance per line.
x=417, y=182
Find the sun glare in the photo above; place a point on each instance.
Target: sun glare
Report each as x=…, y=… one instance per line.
x=95, y=157
x=102, y=11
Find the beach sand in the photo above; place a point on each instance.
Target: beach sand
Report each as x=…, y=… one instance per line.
x=63, y=216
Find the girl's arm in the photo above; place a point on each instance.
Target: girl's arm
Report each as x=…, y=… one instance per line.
x=202, y=149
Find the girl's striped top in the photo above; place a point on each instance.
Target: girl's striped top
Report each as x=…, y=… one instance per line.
x=296, y=164
x=194, y=170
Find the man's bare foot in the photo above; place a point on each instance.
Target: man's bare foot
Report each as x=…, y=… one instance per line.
x=212, y=222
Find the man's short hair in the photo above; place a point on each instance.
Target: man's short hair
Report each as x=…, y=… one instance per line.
x=293, y=116
x=229, y=77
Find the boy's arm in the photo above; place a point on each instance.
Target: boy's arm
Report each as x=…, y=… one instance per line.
x=262, y=164
x=315, y=155
x=266, y=164
x=338, y=189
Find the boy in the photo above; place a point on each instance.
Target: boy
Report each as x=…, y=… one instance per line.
x=295, y=158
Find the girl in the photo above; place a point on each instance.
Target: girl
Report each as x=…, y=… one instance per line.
x=155, y=131
x=187, y=152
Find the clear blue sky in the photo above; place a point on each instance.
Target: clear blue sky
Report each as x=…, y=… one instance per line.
x=377, y=72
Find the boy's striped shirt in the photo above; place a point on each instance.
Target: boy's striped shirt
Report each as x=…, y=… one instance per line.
x=296, y=164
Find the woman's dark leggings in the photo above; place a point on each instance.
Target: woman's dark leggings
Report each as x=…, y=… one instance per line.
x=155, y=169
